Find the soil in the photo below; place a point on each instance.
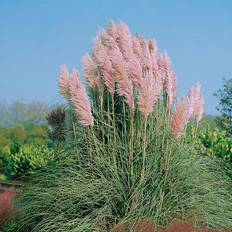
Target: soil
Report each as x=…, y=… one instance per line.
x=147, y=225
x=6, y=205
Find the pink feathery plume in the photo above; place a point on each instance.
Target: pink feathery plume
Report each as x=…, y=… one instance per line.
x=125, y=87
x=104, y=63
x=145, y=56
x=154, y=56
x=194, y=94
x=200, y=110
x=124, y=41
x=89, y=70
x=161, y=67
x=113, y=30
x=180, y=118
x=137, y=48
x=141, y=51
x=149, y=93
x=107, y=40
x=135, y=72
x=80, y=100
x=169, y=77
x=64, y=81
x=196, y=102
x=174, y=85
x=91, y=75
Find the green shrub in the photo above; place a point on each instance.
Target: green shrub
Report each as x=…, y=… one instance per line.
x=16, y=143
x=12, y=138
x=56, y=121
x=224, y=95
x=27, y=160
x=217, y=144
x=3, y=177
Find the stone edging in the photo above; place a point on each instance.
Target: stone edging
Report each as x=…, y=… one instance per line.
x=11, y=187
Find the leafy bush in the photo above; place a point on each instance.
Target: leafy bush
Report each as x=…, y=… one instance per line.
x=217, y=144
x=130, y=159
x=56, y=121
x=21, y=124
x=3, y=177
x=208, y=121
x=27, y=160
x=224, y=96
x=12, y=139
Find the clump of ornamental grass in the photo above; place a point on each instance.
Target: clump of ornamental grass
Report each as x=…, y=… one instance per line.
x=130, y=159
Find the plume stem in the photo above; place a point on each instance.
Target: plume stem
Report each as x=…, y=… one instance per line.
x=102, y=117
x=131, y=158
x=144, y=148
x=114, y=121
x=124, y=120
x=196, y=129
x=74, y=133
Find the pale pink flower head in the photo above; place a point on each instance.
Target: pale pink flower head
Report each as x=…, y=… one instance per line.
x=80, y=100
x=113, y=30
x=154, y=56
x=137, y=48
x=103, y=61
x=196, y=102
x=149, y=93
x=90, y=69
x=180, y=118
x=144, y=53
x=64, y=81
x=169, y=77
x=107, y=40
x=100, y=86
x=135, y=72
x=125, y=87
x=124, y=41
x=200, y=109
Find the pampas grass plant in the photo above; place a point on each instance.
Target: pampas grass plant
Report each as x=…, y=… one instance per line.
x=130, y=159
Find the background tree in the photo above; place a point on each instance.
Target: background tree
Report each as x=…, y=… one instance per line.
x=3, y=113
x=224, y=96
x=26, y=114
x=22, y=123
x=208, y=122
x=56, y=121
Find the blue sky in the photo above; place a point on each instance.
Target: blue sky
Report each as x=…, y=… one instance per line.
x=36, y=37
